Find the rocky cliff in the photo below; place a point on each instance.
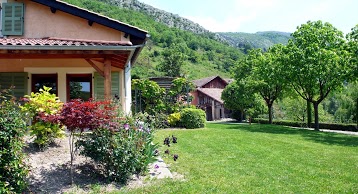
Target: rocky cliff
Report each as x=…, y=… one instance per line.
x=169, y=19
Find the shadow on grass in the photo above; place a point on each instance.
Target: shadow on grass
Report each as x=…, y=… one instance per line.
x=316, y=136
x=57, y=179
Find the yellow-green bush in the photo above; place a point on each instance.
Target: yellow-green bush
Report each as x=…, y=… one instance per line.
x=43, y=102
x=173, y=119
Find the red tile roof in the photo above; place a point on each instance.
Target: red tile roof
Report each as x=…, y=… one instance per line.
x=59, y=42
x=214, y=93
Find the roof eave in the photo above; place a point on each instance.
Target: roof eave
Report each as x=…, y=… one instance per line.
x=86, y=48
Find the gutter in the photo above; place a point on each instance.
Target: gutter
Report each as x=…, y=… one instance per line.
x=86, y=48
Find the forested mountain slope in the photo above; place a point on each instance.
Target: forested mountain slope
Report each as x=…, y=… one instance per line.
x=205, y=55
x=262, y=40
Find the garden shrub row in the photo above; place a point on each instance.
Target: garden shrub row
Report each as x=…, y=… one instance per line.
x=329, y=126
x=120, y=146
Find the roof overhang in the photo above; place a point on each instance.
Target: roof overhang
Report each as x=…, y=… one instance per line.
x=119, y=53
x=213, y=93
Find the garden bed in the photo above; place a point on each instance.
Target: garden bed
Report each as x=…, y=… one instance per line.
x=49, y=172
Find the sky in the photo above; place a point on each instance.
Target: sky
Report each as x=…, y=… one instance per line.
x=262, y=15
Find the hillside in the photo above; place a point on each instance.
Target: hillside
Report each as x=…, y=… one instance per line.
x=206, y=56
x=264, y=40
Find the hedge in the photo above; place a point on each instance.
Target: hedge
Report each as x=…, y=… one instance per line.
x=329, y=126
x=192, y=118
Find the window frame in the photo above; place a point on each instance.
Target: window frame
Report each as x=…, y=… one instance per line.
x=84, y=76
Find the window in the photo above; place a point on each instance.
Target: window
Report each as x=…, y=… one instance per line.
x=41, y=80
x=12, y=18
x=79, y=86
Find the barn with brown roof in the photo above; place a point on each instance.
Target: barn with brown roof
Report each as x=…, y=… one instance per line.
x=207, y=96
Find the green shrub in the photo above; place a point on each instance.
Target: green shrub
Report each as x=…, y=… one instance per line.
x=46, y=103
x=192, y=118
x=121, y=153
x=156, y=121
x=13, y=169
x=174, y=119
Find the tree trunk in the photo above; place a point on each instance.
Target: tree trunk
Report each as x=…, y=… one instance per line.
x=309, y=113
x=269, y=106
x=71, y=141
x=316, y=124
x=241, y=116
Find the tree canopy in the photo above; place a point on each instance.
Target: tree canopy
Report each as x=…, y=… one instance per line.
x=317, y=62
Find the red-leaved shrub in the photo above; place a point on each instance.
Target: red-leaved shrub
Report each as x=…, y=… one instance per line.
x=78, y=116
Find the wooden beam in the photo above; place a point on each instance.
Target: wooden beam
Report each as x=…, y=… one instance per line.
x=118, y=65
x=98, y=60
x=107, y=79
x=95, y=67
x=121, y=56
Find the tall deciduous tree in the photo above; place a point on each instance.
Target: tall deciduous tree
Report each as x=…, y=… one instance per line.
x=173, y=60
x=352, y=38
x=267, y=77
x=353, y=50
x=238, y=97
x=317, y=62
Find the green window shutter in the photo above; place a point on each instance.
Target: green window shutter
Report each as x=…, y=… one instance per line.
x=19, y=80
x=12, y=18
x=99, y=86
x=116, y=84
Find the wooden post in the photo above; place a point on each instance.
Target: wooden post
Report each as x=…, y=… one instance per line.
x=107, y=80
x=128, y=89
x=213, y=113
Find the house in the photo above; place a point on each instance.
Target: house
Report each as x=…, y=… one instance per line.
x=207, y=96
x=78, y=53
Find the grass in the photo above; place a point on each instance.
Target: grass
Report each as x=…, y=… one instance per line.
x=240, y=158
x=234, y=158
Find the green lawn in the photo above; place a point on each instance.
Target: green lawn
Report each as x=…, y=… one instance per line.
x=240, y=158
